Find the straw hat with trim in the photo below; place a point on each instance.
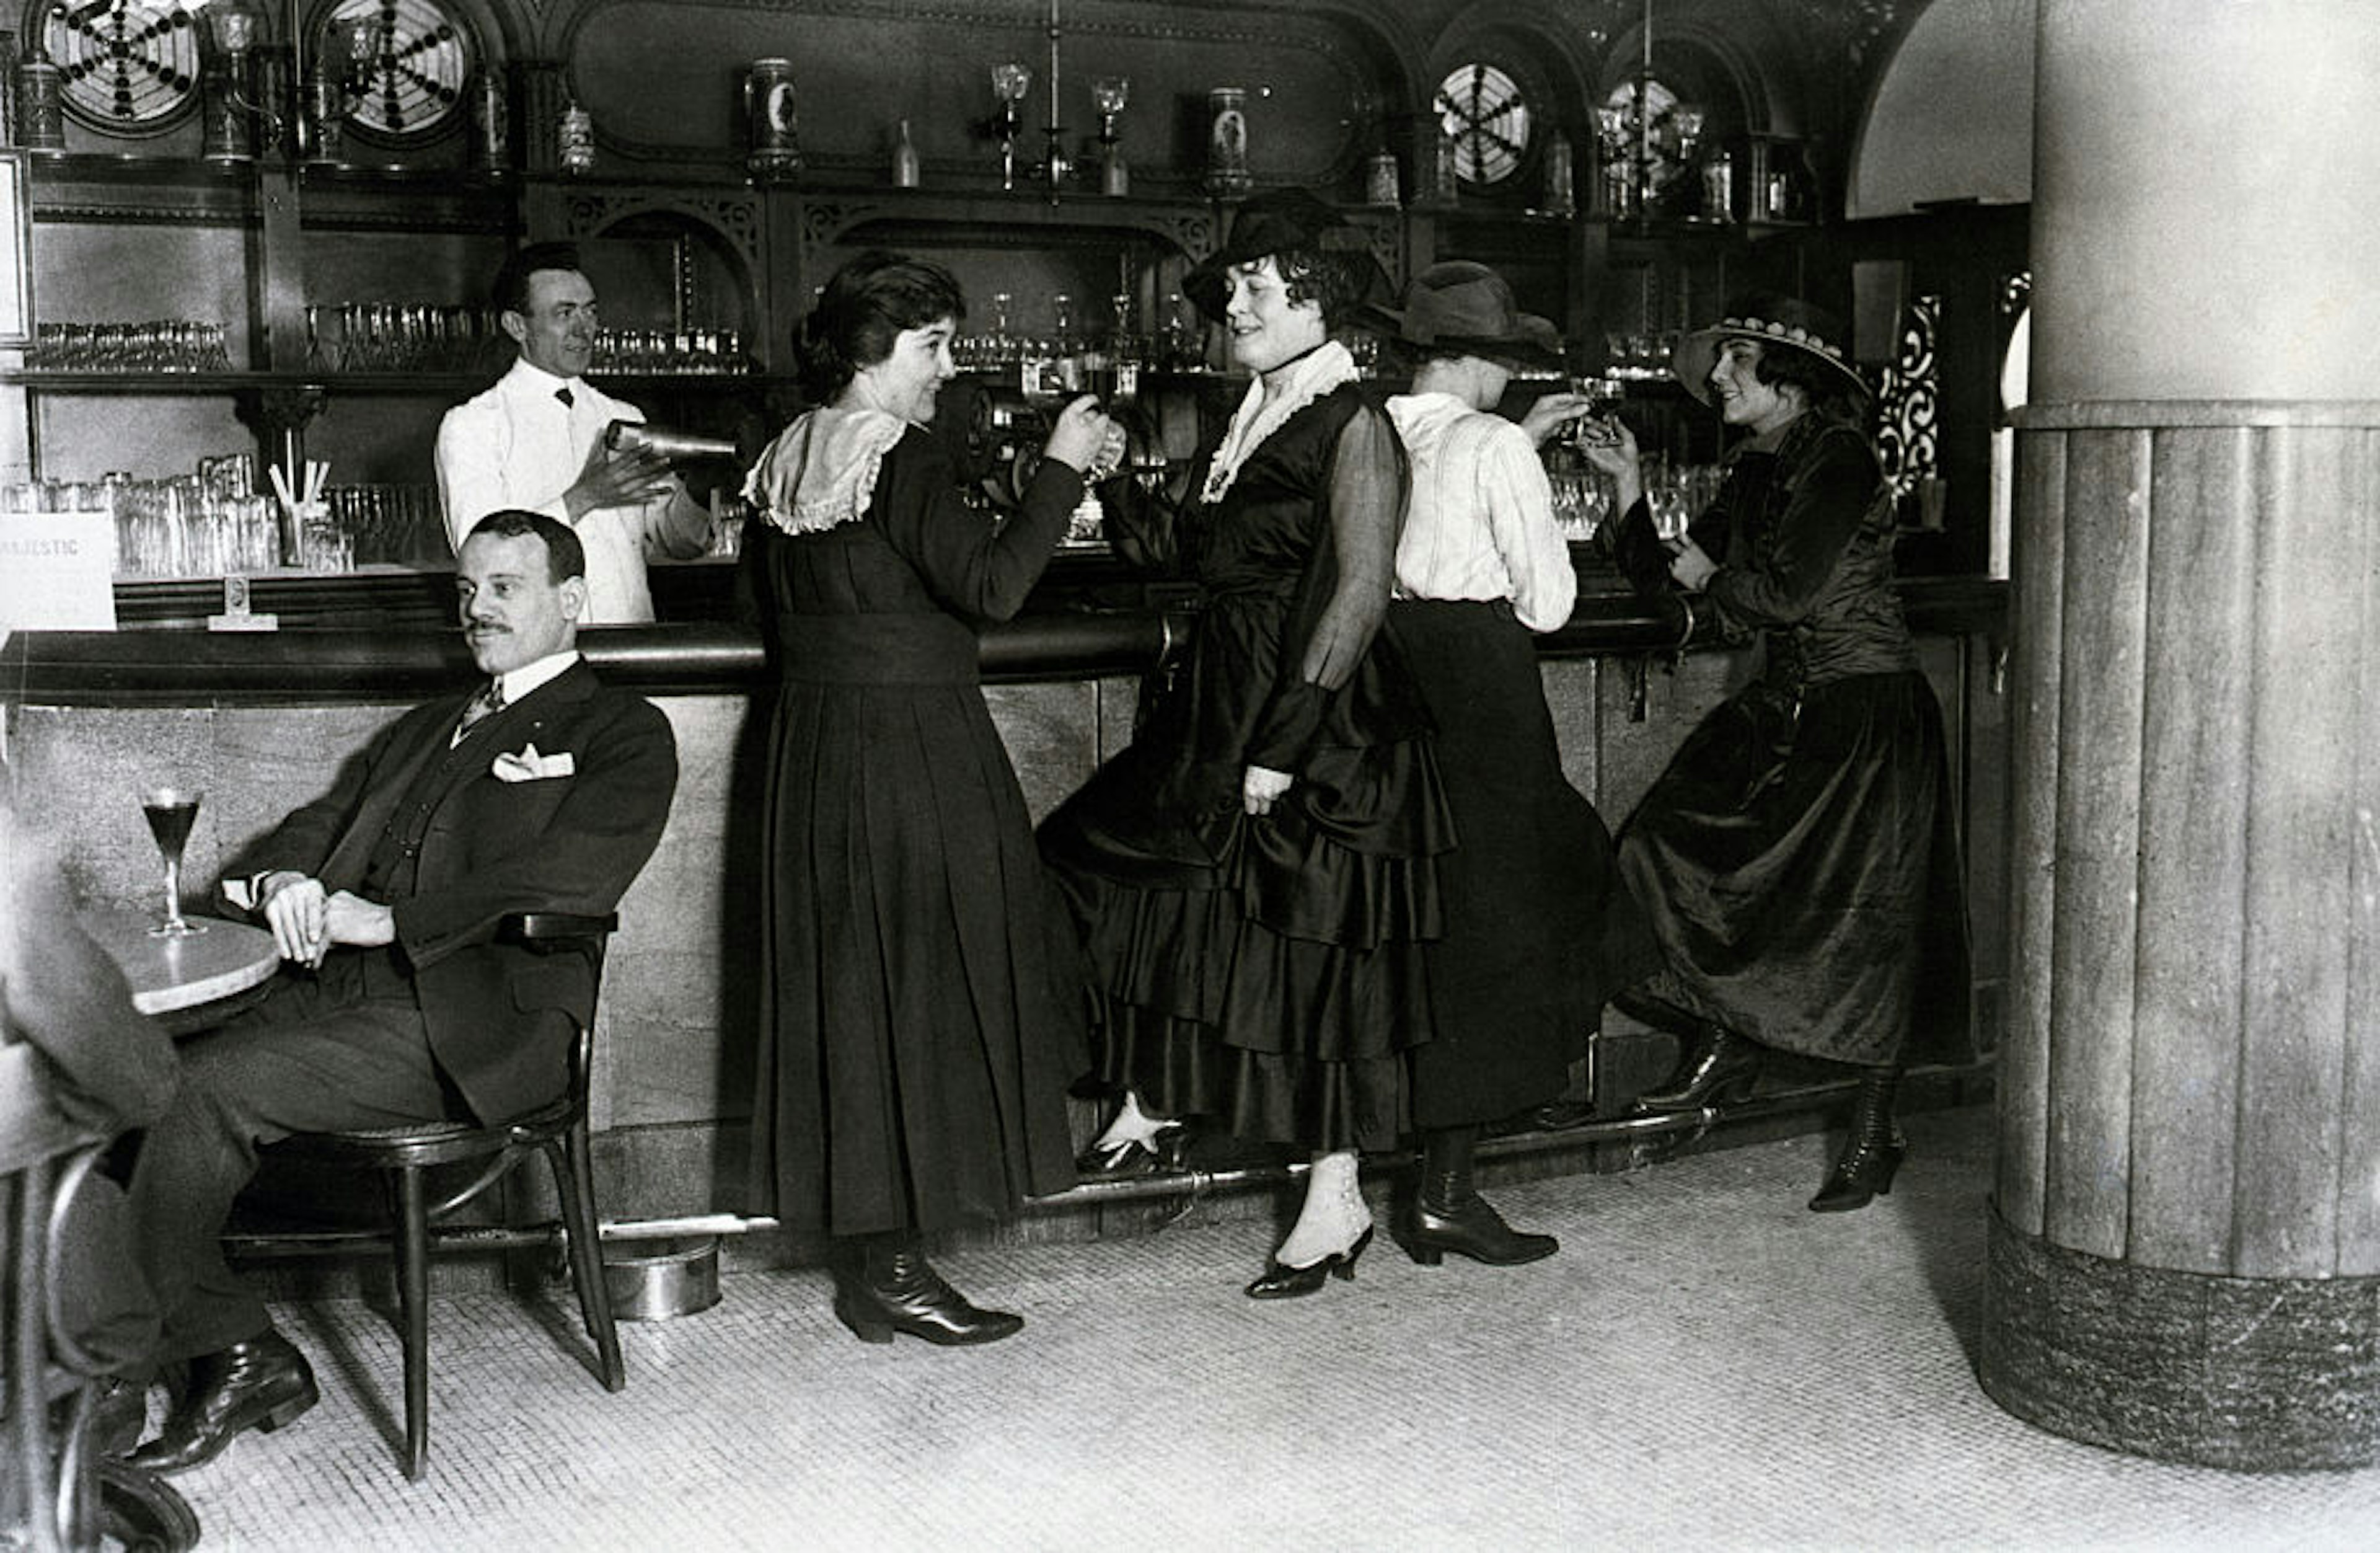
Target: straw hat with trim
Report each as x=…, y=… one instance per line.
x=1277, y=221
x=1778, y=322
x=1468, y=308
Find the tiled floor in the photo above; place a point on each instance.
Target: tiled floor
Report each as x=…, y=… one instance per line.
x=1705, y=1364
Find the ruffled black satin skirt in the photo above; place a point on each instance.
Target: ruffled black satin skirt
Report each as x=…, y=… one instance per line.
x=1266, y=973
x=1801, y=862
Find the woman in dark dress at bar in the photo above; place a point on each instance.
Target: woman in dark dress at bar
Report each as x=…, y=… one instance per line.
x=1256, y=873
x=923, y=1017
x=1539, y=930
x=1800, y=855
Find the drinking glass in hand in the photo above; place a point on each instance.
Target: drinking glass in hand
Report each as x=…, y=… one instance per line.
x=1605, y=394
x=171, y=811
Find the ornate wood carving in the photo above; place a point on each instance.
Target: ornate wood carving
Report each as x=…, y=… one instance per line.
x=735, y=217
x=1909, y=407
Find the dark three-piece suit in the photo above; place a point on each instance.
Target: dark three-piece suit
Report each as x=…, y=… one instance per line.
x=553, y=804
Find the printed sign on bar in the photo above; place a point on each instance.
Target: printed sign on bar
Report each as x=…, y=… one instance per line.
x=58, y=571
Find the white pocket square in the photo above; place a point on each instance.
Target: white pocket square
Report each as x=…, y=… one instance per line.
x=531, y=766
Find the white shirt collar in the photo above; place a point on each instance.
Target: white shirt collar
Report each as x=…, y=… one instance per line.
x=518, y=682
x=537, y=380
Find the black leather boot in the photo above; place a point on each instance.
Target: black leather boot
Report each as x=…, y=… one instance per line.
x=894, y=1289
x=261, y=1384
x=1717, y=1066
x=1447, y=1215
x=1864, y=1170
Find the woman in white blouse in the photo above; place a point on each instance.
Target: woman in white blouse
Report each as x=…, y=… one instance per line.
x=1539, y=929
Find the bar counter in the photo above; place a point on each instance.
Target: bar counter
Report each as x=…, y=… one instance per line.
x=261, y=722
x=391, y=640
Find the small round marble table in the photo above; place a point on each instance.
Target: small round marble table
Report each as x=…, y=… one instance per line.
x=188, y=983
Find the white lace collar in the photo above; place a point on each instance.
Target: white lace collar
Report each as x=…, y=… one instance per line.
x=821, y=470
x=1268, y=404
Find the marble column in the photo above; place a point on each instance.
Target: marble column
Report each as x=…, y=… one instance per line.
x=2185, y=1241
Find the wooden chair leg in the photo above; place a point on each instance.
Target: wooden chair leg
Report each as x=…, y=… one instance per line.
x=413, y=1309
x=574, y=1178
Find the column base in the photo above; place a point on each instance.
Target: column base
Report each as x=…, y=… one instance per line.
x=2256, y=1375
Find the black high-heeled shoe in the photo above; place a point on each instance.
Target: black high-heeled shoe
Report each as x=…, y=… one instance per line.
x=1289, y=1283
x=1130, y=1160
x=1717, y=1066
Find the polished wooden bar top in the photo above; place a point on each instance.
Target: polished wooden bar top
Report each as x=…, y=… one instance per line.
x=317, y=665
x=176, y=975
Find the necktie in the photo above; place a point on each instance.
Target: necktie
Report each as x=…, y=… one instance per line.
x=565, y=395
x=490, y=700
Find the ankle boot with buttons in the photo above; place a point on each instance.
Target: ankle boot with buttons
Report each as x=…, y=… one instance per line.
x=1864, y=1171
x=1450, y=1215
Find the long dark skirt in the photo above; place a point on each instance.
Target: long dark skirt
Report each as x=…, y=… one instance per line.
x=923, y=1014
x=1800, y=863
x=1539, y=928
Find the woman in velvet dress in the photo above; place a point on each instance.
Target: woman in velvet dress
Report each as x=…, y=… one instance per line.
x=922, y=1015
x=1539, y=929
x=1256, y=873
x=1800, y=855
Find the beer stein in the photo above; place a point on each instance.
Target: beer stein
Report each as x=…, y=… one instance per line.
x=769, y=111
x=1227, y=142
x=40, y=103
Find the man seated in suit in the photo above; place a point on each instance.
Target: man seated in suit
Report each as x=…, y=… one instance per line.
x=543, y=791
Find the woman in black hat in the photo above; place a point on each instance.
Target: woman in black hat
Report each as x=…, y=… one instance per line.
x=1253, y=874
x=1800, y=855
x=1540, y=931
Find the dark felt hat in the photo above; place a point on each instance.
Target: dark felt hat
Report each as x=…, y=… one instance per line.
x=1468, y=308
x=1776, y=322
x=1276, y=221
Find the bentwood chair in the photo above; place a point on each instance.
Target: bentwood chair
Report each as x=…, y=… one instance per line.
x=405, y=1155
x=55, y=1494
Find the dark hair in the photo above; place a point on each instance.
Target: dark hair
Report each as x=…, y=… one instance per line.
x=1411, y=357
x=511, y=289
x=565, y=557
x=861, y=312
x=1824, y=392
x=1339, y=279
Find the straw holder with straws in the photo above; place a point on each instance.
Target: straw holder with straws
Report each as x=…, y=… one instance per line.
x=315, y=542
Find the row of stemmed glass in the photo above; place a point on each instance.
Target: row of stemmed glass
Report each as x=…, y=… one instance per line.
x=397, y=336
x=161, y=345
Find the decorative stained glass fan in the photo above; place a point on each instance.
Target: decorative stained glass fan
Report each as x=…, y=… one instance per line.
x=129, y=65
x=1482, y=111
x=410, y=60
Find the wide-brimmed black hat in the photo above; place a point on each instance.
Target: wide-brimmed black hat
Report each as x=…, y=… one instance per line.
x=1776, y=321
x=1468, y=308
x=1277, y=221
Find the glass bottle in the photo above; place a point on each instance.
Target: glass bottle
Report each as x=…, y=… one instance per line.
x=1000, y=351
x=904, y=159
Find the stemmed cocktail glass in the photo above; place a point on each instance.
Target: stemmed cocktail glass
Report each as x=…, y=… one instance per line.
x=171, y=811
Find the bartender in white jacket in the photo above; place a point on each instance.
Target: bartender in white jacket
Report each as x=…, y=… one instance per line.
x=535, y=441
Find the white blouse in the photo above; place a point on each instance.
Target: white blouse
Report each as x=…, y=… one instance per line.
x=1481, y=523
